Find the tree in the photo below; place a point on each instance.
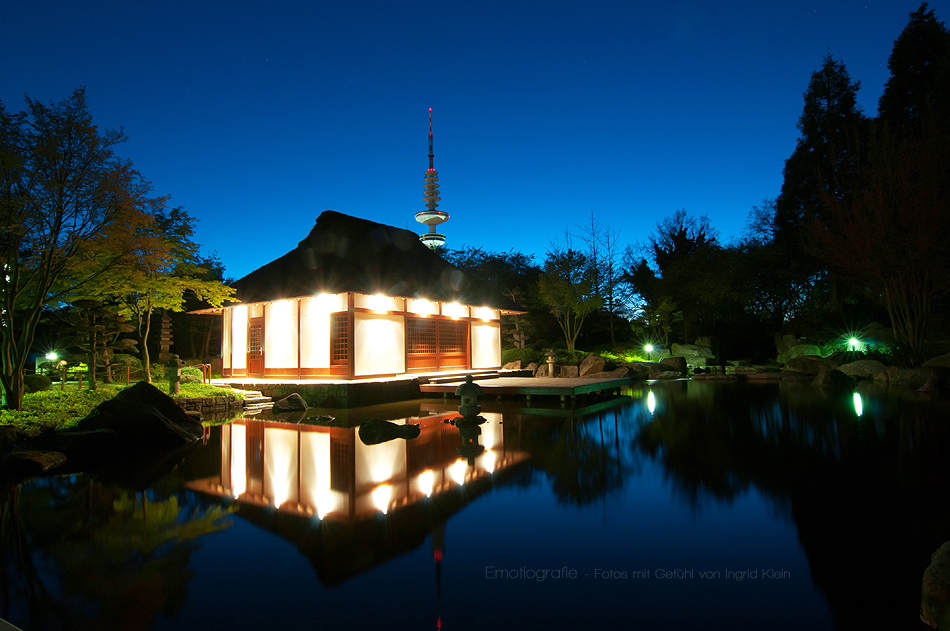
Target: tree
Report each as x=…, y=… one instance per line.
x=565, y=287
x=163, y=269
x=607, y=274
x=96, y=330
x=825, y=162
x=891, y=233
x=893, y=237
x=69, y=210
x=674, y=280
x=919, y=63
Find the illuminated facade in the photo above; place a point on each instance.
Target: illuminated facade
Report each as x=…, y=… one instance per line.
x=358, y=299
x=321, y=471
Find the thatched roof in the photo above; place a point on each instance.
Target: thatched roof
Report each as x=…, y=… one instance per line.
x=348, y=254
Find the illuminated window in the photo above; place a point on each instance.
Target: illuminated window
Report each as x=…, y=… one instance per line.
x=453, y=336
x=341, y=466
x=339, y=338
x=421, y=336
x=255, y=337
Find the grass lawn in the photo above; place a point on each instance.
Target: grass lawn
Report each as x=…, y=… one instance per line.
x=61, y=409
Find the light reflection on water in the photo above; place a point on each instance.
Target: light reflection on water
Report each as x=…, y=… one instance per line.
x=714, y=506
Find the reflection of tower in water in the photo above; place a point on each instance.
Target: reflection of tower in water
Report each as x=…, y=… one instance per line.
x=438, y=547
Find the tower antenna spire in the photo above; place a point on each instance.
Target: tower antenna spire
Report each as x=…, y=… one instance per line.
x=431, y=154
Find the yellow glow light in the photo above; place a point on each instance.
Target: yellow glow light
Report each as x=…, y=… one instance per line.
x=380, y=304
x=453, y=310
x=381, y=496
x=488, y=460
x=238, y=460
x=423, y=307
x=326, y=502
x=458, y=471
x=426, y=482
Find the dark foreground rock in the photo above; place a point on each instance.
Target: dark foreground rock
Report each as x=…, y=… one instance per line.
x=374, y=431
x=144, y=417
x=138, y=436
x=935, y=591
x=291, y=403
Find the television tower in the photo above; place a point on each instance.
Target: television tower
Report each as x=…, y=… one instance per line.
x=430, y=216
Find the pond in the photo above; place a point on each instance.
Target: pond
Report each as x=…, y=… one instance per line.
x=679, y=505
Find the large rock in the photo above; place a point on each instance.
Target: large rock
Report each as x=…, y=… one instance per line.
x=591, y=363
x=648, y=370
x=935, y=590
x=291, y=403
x=374, y=431
x=568, y=372
x=675, y=363
x=617, y=373
x=941, y=360
x=696, y=356
x=928, y=379
x=833, y=379
x=810, y=364
x=143, y=417
x=533, y=367
x=515, y=365
x=863, y=368
x=802, y=349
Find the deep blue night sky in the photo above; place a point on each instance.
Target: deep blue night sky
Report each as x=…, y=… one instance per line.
x=255, y=117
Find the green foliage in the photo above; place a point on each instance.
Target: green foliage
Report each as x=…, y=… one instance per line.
x=526, y=355
x=55, y=409
x=619, y=357
x=566, y=287
x=36, y=383
x=192, y=371
x=196, y=390
x=61, y=409
x=191, y=374
x=569, y=357
x=69, y=208
x=157, y=371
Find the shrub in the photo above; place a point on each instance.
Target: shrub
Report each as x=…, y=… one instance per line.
x=526, y=355
x=157, y=371
x=36, y=383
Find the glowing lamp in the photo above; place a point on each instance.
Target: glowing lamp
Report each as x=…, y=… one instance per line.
x=380, y=303
x=381, y=497
x=52, y=356
x=853, y=344
x=426, y=482
x=458, y=470
x=648, y=348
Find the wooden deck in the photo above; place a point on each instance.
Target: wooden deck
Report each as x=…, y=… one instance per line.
x=565, y=388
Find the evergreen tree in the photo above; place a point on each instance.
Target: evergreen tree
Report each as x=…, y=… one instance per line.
x=920, y=73
x=825, y=163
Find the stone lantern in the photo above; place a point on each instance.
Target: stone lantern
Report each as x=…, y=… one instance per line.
x=550, y=356
x=468, y=423
x=173, y=373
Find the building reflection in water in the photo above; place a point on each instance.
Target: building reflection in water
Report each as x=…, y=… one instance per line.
x=328, y=472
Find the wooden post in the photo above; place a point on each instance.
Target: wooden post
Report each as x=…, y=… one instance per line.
x=128, y=372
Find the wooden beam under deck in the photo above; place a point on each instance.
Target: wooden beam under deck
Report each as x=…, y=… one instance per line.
x=532, y=386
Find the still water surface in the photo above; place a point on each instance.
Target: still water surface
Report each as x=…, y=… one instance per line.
x=682, y=505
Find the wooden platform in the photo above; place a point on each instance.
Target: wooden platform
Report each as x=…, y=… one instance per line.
x=531, y=386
